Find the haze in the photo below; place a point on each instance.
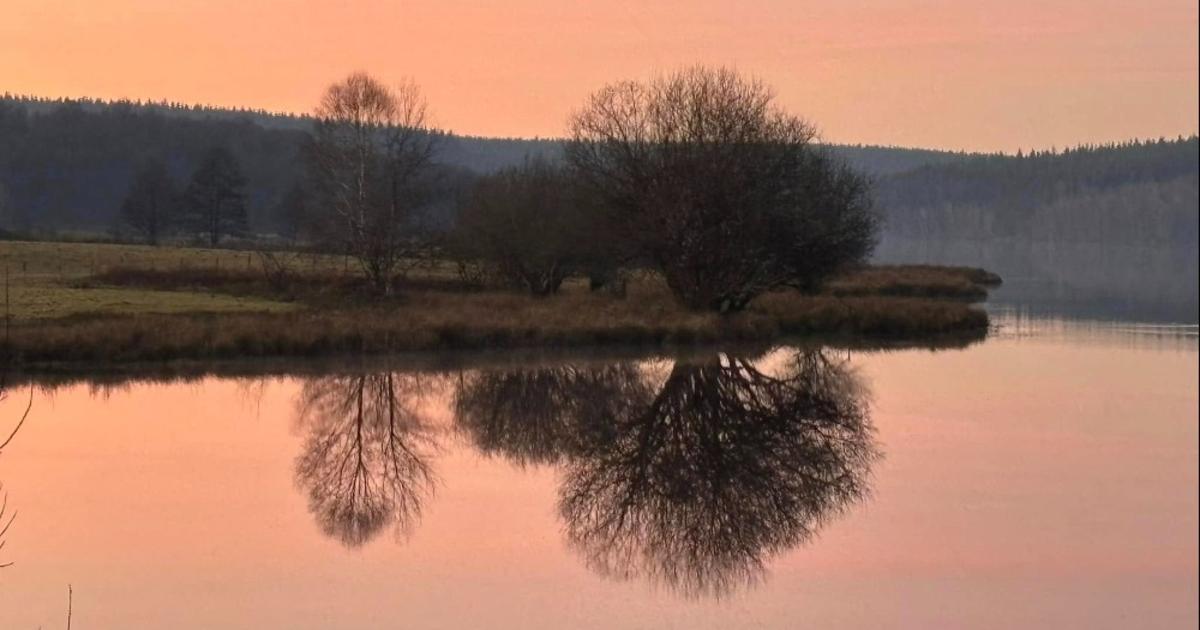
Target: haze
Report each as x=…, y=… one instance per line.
x=986, y=75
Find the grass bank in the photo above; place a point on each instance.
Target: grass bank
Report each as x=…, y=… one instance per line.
x=144, y=305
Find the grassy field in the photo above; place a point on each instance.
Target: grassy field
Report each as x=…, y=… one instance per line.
x=104, y=303
x=956, y=283
x=49, y=280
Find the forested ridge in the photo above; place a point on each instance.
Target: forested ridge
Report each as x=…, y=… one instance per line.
x=1136, y=193
x=67, y=165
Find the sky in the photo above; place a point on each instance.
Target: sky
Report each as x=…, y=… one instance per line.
x=952, y=74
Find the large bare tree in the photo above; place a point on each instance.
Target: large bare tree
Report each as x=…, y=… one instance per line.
x=371, y=146
x=364, y=463
x=725, y=193
x=705, y=475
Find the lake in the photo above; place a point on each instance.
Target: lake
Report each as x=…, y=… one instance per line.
x=1045, y=477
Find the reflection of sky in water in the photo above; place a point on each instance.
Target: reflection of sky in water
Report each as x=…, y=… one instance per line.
x=1046, y=477
x=1013, y=322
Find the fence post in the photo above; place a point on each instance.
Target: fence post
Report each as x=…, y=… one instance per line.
x=7, y=312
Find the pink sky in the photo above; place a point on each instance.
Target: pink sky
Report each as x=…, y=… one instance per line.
x=978, y=74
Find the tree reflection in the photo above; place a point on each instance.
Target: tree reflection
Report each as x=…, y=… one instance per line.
x=364, y=460
x=721, y=467
x=691, y=475
x=542, y=415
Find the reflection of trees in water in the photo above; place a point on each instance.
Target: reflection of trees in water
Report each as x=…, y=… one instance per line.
x=544, y=414
x=364, y=460
x=725, y=466
x=691, y=481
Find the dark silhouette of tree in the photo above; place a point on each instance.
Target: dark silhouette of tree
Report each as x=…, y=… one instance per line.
x=689, y=475
x=215, y=200
x=6, y=209
x=605, y=257
x=293, y=212
x=368, y=160
x=541, y=415
x=528, y=224
x=720, y=468
x=364, y=460
x=723, y=192
x=151, y=205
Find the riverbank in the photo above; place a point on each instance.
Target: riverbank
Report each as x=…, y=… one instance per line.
x=89, y=304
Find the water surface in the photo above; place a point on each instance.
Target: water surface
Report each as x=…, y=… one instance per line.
x=1046, y=477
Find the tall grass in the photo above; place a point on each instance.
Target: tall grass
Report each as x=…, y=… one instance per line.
x=959, y=283
x=442, y=321
x=157, y=313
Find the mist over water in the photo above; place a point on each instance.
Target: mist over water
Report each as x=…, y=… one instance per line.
x=1076, y=280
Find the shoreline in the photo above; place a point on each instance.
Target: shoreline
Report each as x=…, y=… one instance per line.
x=110, y=343
x=101, y=307
x=59, y=374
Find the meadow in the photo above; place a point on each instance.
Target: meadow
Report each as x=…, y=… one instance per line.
x=101, y=303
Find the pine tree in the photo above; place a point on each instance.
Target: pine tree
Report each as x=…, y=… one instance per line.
x=150, y=203
x=215, y=200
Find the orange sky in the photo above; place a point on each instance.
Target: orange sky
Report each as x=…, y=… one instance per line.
x=962, y=74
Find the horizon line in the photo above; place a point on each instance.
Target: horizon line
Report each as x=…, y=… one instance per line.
x=146, y=102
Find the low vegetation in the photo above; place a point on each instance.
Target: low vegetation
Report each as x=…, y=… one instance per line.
x=928, y=281
x=444, y=321
x=104, y=305
x=52, y=280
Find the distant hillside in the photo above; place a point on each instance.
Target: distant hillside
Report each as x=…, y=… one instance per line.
x=1137, y=193
x=1097, y=232
x=66, y=164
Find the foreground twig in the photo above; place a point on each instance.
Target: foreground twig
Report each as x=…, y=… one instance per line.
x=6, y=525
x=25, y=415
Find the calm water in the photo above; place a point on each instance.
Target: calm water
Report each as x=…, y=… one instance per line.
x=1046, y=477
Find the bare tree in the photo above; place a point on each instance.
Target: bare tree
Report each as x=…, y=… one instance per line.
x=371, y=145
x=364, y=462
x=279, y=266
x=703, y=478
x=691, y=474
x=721, y=190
